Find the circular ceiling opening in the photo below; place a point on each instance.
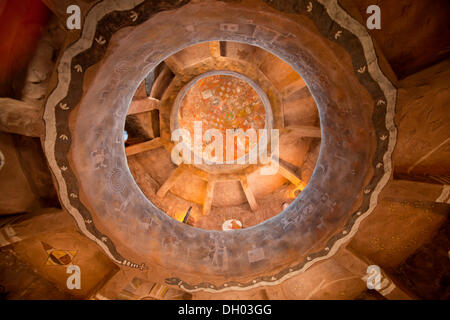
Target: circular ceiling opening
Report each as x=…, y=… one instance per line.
x=248, y=135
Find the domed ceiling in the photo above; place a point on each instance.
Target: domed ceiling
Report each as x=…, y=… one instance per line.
x=353, y=166
x=217, y=191
x=225, y=149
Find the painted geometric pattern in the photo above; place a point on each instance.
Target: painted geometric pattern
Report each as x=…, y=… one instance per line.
x=56, y=257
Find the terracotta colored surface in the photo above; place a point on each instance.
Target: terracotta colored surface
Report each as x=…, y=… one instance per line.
x=94, y=265
x=125, y=222
x=404, y=235
x=413, y=35
x=224, y=103
x=16, y=194
x=397, y=228
x=423, y=118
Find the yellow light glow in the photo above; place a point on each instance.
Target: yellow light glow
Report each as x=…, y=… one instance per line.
x=298, y=187
x=179, y=216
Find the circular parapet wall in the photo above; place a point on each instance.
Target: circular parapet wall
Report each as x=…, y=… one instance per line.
x=85, y=115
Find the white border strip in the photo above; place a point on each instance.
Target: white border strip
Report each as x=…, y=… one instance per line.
x=60, y=92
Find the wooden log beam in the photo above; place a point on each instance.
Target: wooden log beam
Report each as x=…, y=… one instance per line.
x=20, y=118
x=151, y=78
x=170, y=182
x=141, y=105
x=144, y=146
x=223, y=48
x=207, y=202
x=161, y=82
x=288, y=174
x=214, y=49
x=249, y=194
x=174, y=64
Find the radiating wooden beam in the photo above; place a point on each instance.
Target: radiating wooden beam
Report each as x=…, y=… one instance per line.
x=152, y=76
x=144, y=146
x=207, y=202
x=304, y=131
x=248, y=193
x=214, y=49
x=288, y=174
x=174, y=64
x=162, y=82
x=174, y=176
x=223, y=48
x=143, y=105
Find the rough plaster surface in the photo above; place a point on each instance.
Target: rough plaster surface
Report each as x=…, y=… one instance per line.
x=357, y=125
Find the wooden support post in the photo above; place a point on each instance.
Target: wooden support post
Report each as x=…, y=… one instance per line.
x=208, y=197
x=288, y=174
x=174, y=64
x=162, y=82
x=144, y=146
x=214, y=49
x=248, y=193
x=176, y=174
x=140, y=105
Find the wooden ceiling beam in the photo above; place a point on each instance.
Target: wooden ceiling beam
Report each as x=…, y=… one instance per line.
x=288, y=174
x=170, y=182
x=249, y=193
x=161, y=82
x=141, y=105
x=214, y=49
x=144, y=146
x=207, y=202
x=174, y=64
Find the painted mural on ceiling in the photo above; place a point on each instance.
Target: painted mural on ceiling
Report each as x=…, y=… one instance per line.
x=223, y=102
x=56, y=257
